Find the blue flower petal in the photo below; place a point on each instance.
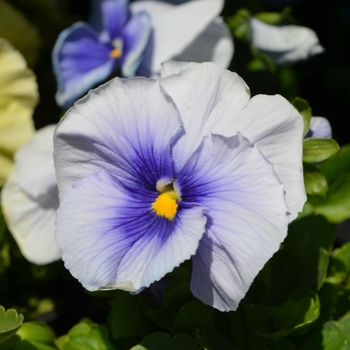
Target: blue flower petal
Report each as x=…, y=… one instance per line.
x=247, y=219
x=111, y=239
x=115, y=15
x=125, y=127
x=136, y=35
x=80, y=61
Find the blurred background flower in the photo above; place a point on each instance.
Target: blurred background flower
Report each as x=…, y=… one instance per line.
x=18, y=97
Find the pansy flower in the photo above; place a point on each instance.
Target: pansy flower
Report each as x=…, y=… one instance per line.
x=319, y=128
x=136, y=40
x=153, y=172
x=18, y=97
x=29, y=199
x=284, y=44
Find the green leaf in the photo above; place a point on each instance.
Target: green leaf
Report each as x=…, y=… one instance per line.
x=162, y=341
x=193, y=317
x=10, y=323
x=317, y=150
x=302, y=309
x=308, y=234
x=86, y=336
x=239, y=24
x=127, y=317
x=315, y=182
x=303, y=107
x=35, y=335
x=340, y=265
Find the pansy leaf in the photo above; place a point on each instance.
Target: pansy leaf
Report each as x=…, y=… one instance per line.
x=32, y=335
x=336, y=206
x=194, y=316
x=126, y=317
x=340, y=265
x=304, y=109
x=317, y=150
x=315, y=182
x=160, y=341
x=307, y=234
x=10, y=323
x=300, y=310
x=86, y=336
x=334, y=336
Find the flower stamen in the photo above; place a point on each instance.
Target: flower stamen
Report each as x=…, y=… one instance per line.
x=166, y=203
x=118, y=48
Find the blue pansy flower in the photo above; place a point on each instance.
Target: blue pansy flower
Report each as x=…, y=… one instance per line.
x=319, y=128
x=83, y=57
x=137, y=40
x=153, y=172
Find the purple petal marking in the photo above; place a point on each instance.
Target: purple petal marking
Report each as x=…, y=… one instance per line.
x=247, y=219
x=115, y=15
x=111, y=239
x=80, y=61
x=136, y=35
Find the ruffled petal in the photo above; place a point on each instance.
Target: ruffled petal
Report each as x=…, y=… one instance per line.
x=247, y=219
x=34, y=164
x=319, y=127
x=205, y=94
x=125, y=127
x=111, y=239
x=286, y=44
x=175, y=28
x=31, y=221
x=277, y=129
x=80, y=61
x=115, y=14
x=136, y=35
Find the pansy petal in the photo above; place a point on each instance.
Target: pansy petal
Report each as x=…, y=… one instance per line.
x=277, y=129
x=111, y=239
x=247, y=219
x=136, y=35
x=319, y=127
x=115, y=14
x=175, y=27
x=31, y=221
x=125, y=127
x=201, y=103
x=213, y=44
x=80, y=61
x=34, y=163
x=285, y=44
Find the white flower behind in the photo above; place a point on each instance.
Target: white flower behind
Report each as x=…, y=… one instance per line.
x=29, y=199
x=284, y=44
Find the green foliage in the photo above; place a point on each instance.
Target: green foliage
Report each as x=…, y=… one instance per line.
x=336, y=205
x=10, y=323
x=317, y=150
x=239, y=24
x=315, y=182
x=162, y=341
x=86, y=336
x=303, y=107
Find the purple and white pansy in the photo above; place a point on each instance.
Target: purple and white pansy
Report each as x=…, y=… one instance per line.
x=136, y=39
x=154, y=172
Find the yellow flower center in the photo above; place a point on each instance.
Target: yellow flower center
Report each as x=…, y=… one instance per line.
x=118, y=48
x=166, y=203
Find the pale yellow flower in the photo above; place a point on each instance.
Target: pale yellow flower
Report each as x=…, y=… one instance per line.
x=18, y=97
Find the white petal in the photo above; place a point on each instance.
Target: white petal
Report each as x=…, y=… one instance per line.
x=31, y=221
x=286, y=44
x=277, y=129
x=176, y=27
x=204, y=94
x=320, y=127
x=34, y=163
x=116, y=127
